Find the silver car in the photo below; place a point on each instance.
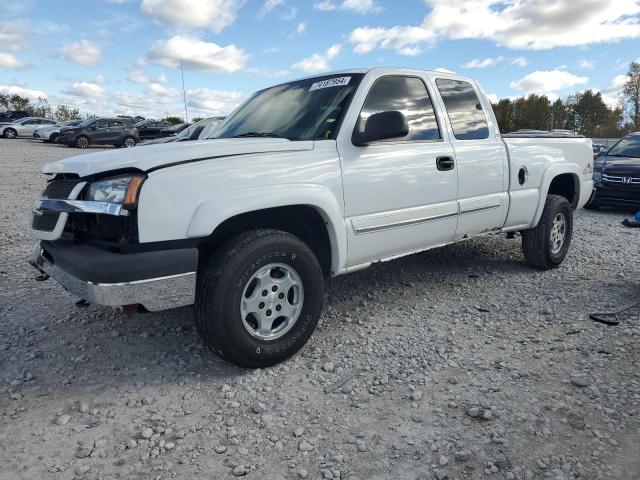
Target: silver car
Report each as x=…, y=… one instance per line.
x=49, y=134
x=24, y=127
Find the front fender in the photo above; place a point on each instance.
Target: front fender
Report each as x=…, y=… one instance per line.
x=215, y=210
x=547, y=177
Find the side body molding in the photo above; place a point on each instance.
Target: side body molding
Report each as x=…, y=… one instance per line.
x=212, y=212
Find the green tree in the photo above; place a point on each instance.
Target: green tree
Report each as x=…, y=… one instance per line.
x=504, y=113
x=64, y=113
x=174, y=120
x=590, y=114
x=631, y=95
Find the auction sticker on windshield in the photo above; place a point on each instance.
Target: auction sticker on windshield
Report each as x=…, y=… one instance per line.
x=331, y=82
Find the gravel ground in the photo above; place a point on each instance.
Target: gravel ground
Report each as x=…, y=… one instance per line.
x=457, y=363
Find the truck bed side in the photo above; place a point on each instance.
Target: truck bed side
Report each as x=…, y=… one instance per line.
x=539, y=165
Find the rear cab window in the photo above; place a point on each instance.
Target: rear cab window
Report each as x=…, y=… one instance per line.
x=468, y=120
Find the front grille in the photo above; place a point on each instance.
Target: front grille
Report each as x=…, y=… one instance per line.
x=620, y=179
x=45, y=222
x=60, y=188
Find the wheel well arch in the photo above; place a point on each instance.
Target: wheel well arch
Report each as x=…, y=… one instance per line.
x=566, y=185
x=304, y=221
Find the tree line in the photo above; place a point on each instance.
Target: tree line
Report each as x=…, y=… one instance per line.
x=583, y=112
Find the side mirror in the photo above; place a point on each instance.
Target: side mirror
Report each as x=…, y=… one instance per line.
x=382, y=126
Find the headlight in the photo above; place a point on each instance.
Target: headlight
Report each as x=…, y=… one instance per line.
x=122, y=190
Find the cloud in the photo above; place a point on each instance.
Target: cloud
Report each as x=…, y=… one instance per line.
x=443, y=70
x=493, y=98
x=83, y=52
x=519, y=62
x=212, y=102
x=358, y=6
x=23, y=92
x=15, y=34
x=616, y=84
x=404, y=40
x=155, y=88
x=586, y=63
x=521, y=24
x=197, y=55
x=84, y=90
x=268, y=6
x=483, y=63
x=10, y=62
x=214, y=15
x=545, y=81
x=301, y=28
x=318, y=62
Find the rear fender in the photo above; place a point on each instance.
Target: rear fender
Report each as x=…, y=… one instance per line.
x=547, y=177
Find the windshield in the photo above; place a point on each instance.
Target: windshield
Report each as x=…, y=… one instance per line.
x=303, y=110
x=629, y=146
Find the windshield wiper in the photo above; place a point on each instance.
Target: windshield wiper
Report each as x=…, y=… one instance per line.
x=257, y=134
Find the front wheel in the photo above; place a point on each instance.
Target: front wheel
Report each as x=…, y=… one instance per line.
x=129, y=142
x=259, y=298
x=82, y=142
x=546, y=245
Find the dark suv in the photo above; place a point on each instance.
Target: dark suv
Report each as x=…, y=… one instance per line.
x=151, y=128
x=616, y=175
x=99, y=131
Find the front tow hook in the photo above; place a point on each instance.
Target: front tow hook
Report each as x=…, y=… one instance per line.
x=41, y=276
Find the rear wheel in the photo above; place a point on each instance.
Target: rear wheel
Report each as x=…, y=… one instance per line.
x=9, y=133
x=259, y=298
x=53, y=137
x=546, y=245
x=82, y=142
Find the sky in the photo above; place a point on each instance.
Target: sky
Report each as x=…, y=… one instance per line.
x=110, y=57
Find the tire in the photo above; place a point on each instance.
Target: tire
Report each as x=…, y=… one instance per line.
x=128, y=142
x=546, y=245
x=81, y=142
x=9, y=133
x=53, y=137
x=225, y=288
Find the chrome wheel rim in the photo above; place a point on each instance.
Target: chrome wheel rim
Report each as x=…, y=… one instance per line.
x=11, y=134
x=558, y=233
x=272, y=301
x=129, y=142
x=82, y=142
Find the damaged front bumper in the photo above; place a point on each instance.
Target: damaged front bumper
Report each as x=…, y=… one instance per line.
x=156, y=280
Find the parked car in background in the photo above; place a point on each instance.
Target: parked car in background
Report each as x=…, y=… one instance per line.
x=598, y=149
x=173, y=130
x=309, y=179
x=616, y=175
x=198, y=131
x=99, y=131
x=49, y=134
x=24, y=127
x=11, y=116
x=151, y=128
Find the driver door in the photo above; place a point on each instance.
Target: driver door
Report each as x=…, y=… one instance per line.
x=400, y=195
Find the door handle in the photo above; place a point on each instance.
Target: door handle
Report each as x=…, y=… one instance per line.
x=445, y=163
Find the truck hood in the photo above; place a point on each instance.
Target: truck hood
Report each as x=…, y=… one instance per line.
x=157, y=156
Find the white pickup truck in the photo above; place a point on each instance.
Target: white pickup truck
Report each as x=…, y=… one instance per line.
x=308, y=179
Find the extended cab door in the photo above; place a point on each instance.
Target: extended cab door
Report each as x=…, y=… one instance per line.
x=480, y=157
x=401, y=194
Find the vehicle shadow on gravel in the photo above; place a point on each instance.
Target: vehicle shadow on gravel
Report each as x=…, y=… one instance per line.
x=97, y=347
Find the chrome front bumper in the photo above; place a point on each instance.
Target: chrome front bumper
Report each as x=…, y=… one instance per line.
x=154, y=293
